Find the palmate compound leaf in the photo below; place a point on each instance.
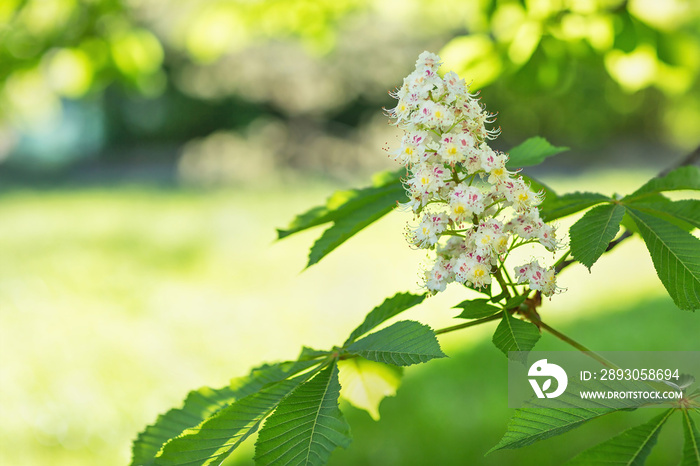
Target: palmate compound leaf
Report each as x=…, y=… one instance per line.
x=515, y=335
x=676, y=257
x=366, y=383
x=401, y=344
x=385, y=311
x=307, y=426
x=592, y=233
x=203, y=403
x=632, y=447
x=214, y=439
x=541, y=419
x=691, y=445
x=532, y=152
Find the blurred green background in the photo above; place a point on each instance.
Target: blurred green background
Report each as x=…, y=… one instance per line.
x=148, y=149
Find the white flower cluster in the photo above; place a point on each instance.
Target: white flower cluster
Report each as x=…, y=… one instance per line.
x=471, y=210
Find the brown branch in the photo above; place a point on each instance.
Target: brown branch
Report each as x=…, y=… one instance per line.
x=691, y=159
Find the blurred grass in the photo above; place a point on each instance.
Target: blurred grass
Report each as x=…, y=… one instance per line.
x=115, y=303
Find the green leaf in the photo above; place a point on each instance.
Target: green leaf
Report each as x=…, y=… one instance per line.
x=350, y=211
x=629, y=448
x=374, y=206
x=592, y=233
x=341, y=203
x=676, y=257
x=366, y=383
x=532, y=152
x=515, y=301
x=541, y=419
x=203, y=403
x=515, y=335
x=199, y=405
x=691, y=446
x=686, y=177
x=476, y=309
x=553, y=208
x=215, y=438
x=385, y=311
x=401, y=344
x=307, y=426
x=684, y=213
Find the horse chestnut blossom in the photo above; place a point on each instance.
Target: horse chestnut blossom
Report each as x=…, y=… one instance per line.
x=471, y=210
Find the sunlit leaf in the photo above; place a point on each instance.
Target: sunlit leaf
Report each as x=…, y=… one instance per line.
x=532, y=152
x=199, y=405
x=676, y=257
x=203, y=403
x=388, y=309
x=515, y=335
x=215, y=438
x=366, y=383
x=401, y=344
x=632, y=447
x=307, y=426
x=592, y=233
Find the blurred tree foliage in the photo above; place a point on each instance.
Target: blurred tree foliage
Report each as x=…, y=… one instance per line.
x=576, y=66
x=578, y=71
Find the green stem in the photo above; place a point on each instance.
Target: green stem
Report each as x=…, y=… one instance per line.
x=452, y=233
x=472, y=323
x=537, y=321
x=561, y=260
x=493, y=204
x=504, y=285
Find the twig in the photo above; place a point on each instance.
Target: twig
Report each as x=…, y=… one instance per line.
x=469, y=324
